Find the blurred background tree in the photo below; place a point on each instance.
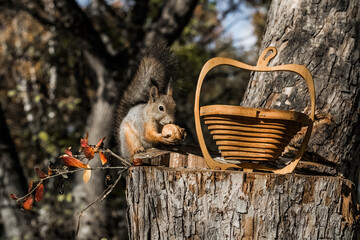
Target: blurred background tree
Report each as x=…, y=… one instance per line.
x=63, y=66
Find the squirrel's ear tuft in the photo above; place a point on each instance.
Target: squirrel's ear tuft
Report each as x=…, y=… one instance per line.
x=169, y=90
x=154, y=94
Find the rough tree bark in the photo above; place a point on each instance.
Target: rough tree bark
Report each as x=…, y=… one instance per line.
x=207, y=204
x=170, y=203
x=12, y=180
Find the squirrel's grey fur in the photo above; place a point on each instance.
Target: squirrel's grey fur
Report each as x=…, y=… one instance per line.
x=154, y=67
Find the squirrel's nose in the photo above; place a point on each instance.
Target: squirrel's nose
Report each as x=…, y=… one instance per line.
x=168, y=120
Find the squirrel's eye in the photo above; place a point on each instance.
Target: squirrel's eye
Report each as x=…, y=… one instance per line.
x=161, y=108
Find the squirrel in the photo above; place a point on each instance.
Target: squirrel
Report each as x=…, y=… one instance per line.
x=147, y=103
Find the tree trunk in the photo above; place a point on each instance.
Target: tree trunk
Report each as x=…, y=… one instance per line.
x=94, y=220
x=174, y=203
x=12, y=180
x=323, y=36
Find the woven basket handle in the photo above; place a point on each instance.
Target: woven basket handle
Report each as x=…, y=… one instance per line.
x=262, y=66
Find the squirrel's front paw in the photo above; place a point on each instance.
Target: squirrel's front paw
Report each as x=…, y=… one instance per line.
x=166, y=139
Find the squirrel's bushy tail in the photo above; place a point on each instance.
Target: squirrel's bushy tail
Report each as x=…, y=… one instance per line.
x=155, y=66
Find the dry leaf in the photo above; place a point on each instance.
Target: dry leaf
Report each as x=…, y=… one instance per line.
x=28, y=203
x=87, y=174
x=89, y=152
x=68, y=152
x=103, y=158
x=100, y=142
x=40, y=173
x=39, y=193
x=71, y=161
x=84, y=142
x=13, y=196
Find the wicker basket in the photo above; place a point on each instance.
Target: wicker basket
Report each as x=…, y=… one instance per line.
x=252, y=135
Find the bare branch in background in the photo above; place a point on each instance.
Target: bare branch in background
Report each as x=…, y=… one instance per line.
x=174, y=17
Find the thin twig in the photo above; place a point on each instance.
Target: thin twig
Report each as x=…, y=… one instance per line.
x=63, y=173
x=112, y=186
x=122, y=160
x=87, y=207
x=101, y=198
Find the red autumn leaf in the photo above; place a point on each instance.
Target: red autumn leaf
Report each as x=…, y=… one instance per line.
x=39, y=194
x=68, y=152
x=13, y=196
x=84, y=142
x=103, y=158
x=89, y=152
x=100, y=142
x=40, y=173
x=71, y=161
x=28, y=203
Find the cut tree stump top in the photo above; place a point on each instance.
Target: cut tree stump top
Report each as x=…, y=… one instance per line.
x=191, y=157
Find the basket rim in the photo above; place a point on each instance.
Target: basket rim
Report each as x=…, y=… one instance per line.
x=257, y=113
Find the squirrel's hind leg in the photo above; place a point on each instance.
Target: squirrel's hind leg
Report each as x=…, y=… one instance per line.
x=131, y=141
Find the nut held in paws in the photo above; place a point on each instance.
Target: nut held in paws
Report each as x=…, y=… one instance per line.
x=173, y=132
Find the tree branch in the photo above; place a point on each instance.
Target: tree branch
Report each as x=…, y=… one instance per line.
x=106, y=192
x=19, y=200
x=173, y=19
x=138, y=17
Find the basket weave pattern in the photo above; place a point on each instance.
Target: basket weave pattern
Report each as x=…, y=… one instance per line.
x=250, y=134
